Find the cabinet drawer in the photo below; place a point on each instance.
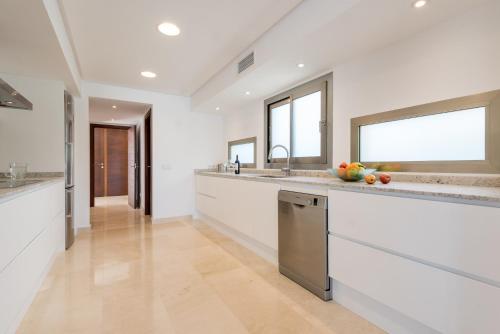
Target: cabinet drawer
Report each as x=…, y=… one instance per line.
x=19, y=281
x=444, y=301
x=206, y=185
x=56, y=196
x=23, y=218
x=248, y=207
x=206, y=205
x=461, y=238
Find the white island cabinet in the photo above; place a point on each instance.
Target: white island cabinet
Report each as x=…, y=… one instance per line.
x=31, y=232
x=249, y=208
x=434, y=262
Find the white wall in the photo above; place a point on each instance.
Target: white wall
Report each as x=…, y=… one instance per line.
x=35, y=137
x=181, y=141
x=249, y=122
x=457, y=58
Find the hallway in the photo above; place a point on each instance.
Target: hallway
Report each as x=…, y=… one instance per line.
x=114, y=212
x=128, y=276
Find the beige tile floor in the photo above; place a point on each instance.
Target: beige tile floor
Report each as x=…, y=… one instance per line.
x=128, y=276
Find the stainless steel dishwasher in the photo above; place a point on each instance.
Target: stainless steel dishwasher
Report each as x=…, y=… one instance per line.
x=303, y=241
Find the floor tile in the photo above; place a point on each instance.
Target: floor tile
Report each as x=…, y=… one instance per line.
x=126, y=275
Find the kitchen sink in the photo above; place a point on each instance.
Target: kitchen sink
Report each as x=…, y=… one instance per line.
x=7, y=184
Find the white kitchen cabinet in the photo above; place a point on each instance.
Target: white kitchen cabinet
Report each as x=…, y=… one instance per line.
x=447, y=302
x=206, y=185
x=32, y=230
x=233, y=208
x=206, y=204
x=249, y=207
x=462, y=238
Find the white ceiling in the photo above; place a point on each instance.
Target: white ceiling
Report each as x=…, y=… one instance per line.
x=321, y=34
x=28, y=44
x=129, y=113
x=115, y=40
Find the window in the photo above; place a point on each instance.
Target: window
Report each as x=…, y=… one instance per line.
x=280, y=131
x=447, y=136
x=298, y=119
x=245, y=149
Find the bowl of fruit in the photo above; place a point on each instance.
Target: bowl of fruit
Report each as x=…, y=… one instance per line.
x=352, y=172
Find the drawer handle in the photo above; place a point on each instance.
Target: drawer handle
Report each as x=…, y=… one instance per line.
x=206, y=195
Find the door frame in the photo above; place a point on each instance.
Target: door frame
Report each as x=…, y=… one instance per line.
x=92, y=159
x=138, y=169
x=148, y=166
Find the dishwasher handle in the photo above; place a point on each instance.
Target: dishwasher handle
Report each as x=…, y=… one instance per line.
x=303, y=200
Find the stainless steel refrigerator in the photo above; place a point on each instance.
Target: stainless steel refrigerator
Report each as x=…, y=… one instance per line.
x=69, y=171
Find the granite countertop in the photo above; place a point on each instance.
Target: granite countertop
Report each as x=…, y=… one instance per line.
x=12, y=193
x=467, y=194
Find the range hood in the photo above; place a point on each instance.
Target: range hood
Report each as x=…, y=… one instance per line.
x=11, y=98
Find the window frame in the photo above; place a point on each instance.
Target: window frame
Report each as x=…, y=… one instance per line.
x=323, y=84
x=250, y=140
x=490, y=101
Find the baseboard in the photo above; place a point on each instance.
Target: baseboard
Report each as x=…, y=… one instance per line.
x=82, y=229
x=386, y=318
x=170, y=219
x=260, y=249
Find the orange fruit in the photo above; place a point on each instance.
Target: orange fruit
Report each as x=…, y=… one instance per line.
x=370, y=179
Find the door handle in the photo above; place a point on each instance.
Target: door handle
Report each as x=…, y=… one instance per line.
x=100, y=164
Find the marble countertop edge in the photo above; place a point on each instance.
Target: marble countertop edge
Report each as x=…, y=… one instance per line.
x=466, y=194
x=13, y=193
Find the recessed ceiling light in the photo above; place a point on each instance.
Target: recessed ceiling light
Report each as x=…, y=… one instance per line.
x=148, y=74
x=300, y=65
x=247, y=93
x=114, y=107
x=217, y=108
x=13, y=93
x=420, y=3
x=169, y=29
x=9, y=102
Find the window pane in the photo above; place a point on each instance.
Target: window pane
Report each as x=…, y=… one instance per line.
x=280, y=129
x=306, y=131
x=451, y=136
x=245, y=153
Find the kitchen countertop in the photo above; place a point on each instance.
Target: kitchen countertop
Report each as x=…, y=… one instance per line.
x=474, y=195
x=11, y=193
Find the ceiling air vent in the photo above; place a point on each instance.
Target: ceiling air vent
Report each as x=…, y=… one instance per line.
x=245, y=63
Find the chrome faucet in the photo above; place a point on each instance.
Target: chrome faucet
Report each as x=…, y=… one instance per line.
x=286, y=169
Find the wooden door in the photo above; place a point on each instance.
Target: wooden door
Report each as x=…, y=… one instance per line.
x=99, y=159
x=110, y=162
x=117, y=162
x=133, y=169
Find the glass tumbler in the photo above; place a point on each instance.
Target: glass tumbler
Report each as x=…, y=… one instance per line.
x=18, y=170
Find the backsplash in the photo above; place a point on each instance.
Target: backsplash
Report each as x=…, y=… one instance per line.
x=477, y=180
x=35, y=175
